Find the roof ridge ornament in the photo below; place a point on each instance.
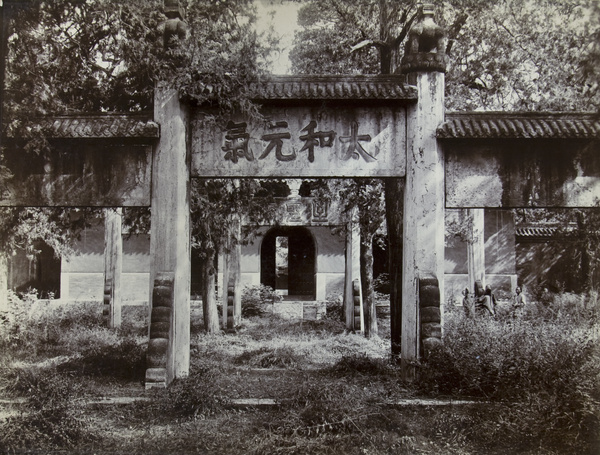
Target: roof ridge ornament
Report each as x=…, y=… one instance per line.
x=425, y=48
x=175, y=25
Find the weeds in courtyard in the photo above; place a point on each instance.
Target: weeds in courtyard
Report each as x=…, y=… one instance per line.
x=50, y=417
x=545, y=367
x=537, y=379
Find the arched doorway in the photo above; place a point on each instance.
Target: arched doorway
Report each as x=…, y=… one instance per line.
x=287, y=262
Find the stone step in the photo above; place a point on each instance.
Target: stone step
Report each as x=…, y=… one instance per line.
x=244, y=403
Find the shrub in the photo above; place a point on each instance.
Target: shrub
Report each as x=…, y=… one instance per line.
x=549, y=370
x=123, y=360
x=317, y=407
x=382, y=284
x=51, y=417
x=32, y=326
x=257, y=300
x=265, y=357
x=197, y=396
x=335, y=307
x=361, y=364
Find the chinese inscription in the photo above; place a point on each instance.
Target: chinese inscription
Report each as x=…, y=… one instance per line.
x=276, y=142
x=312, y=138
x=236, y=142
x=355, y=149
x=237, y=139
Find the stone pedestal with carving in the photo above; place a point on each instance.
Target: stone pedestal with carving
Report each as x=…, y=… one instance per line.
x=170, y=225
x=423, y=249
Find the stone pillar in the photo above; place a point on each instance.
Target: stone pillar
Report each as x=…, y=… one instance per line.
x=170, y=234
x=221, y=288
x=65, y=285
x=232, y=317
x=423, y=246
x=235, y=270
x=113, y=266
x=348, y=298
x=321, y=286
x=3, y=283
x=353, y=309
x=475, y=247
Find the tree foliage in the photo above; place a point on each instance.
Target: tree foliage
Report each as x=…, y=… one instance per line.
x=21, y=227
x=215, y=202
x=73, y=56
x=218, y=206
x=576, y=227
x=505, y=55
x=362, y=202
x=525, y=55
x=106, y=55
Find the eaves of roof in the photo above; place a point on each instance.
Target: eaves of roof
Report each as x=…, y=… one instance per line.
x=371, y=87
x=519, y=125
x=545, y=231
x=102, y=126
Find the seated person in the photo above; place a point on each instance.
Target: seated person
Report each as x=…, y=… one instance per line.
x=483, y=299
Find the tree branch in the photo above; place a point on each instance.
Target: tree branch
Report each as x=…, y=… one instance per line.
x=404, y=32
x=369, y=42
x=455, y=29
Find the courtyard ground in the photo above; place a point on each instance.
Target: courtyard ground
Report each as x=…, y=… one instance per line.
x=503, y=386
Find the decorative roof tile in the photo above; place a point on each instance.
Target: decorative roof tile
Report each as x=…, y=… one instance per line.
x=105, y=126
x=518, y=125
x=536, y=231
x=386, y=87
x=545, y=231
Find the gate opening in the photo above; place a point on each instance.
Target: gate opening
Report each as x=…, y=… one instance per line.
x=287, y=262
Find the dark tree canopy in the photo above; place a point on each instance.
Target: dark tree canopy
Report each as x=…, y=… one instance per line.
x=106, y=55
x=76, y=56
x=505, y=55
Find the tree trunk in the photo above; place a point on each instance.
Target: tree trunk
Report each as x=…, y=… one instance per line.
x=209, y=301
x=366, y=275
x=394, y=205
x=586, y=260
x=475, y=247
x=394, y=210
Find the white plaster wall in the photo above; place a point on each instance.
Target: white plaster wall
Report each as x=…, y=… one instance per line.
x=330, y=260
x=89, y=286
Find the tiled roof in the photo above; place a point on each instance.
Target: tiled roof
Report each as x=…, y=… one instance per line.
x=536, y=231
x=474, y=125
x=546, y=231
x=387, y=87
x=98, y=126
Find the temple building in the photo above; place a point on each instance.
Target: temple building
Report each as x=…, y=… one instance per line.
x=302, y=257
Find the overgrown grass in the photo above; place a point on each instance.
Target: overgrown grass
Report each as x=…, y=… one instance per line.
x=544, y=366
x=537, y=378
x=50, y=418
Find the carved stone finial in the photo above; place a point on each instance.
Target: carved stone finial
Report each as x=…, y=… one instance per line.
x=425, y=46
x=174, y=25
x=173, y=9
